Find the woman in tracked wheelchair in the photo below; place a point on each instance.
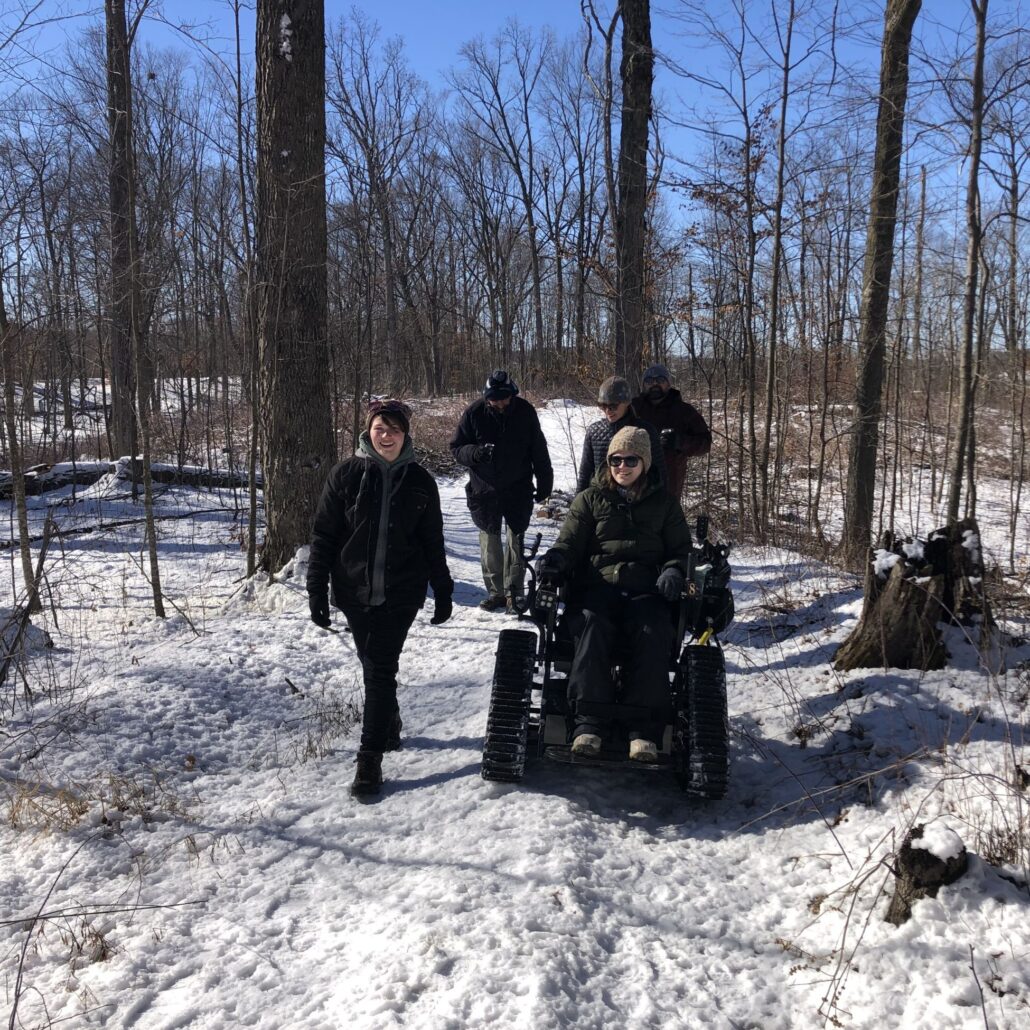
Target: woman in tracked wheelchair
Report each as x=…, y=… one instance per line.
x=624, y=551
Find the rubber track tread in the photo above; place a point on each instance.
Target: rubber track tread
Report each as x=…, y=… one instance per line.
x=507, y=722
x=703, y=731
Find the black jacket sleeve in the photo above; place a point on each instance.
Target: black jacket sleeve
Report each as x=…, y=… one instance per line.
x=331, y=530
x=430, y=536
x=463, y=443
x=586, y=464
x=657, y=452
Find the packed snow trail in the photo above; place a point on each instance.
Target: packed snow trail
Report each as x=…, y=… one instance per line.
x=579, y=898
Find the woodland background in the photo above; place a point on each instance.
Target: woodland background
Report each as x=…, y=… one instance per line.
x=469, y=225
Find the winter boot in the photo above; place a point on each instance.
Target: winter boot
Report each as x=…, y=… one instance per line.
x=493, y=603
x=368, y=777
x=641, y=750
x=587, y=744
x=393, y=734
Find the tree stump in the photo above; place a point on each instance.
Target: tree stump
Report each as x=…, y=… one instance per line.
x=911, y=587
x=926, y=861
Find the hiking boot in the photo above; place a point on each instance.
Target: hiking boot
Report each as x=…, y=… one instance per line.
x=368, y=777
x=393, y=734
x=493, y=603
x=587, y=744
x=641, y=750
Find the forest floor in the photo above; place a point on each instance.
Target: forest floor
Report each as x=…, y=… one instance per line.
x=180, y=849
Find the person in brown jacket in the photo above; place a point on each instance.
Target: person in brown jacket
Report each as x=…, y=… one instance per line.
x=683, y=429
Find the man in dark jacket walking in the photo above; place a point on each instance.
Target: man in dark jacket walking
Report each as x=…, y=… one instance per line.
x=378, y=539
x=684, y=432
x=500, y=441
x=613, y=398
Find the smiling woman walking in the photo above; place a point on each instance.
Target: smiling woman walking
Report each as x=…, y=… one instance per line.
x=378, y=539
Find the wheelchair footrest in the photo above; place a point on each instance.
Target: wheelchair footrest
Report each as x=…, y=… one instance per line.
x=606, y=759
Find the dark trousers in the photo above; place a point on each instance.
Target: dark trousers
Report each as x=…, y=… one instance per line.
x=379, y=635
x=611, y=617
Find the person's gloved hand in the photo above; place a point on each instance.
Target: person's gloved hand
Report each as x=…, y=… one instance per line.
x=552, y=567
x=670, y=583
x=668, y=439
x=484, y=454
x=319, y=605
x=442, y=608
x=541, y=495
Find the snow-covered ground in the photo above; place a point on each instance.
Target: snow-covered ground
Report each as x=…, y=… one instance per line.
x=180, y=850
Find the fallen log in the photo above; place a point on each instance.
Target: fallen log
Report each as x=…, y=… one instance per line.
x=41, y=479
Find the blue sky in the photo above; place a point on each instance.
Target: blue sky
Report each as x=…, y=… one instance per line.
x=432, y=32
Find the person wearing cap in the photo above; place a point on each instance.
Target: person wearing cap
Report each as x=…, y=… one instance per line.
x=682, y=428
x=500, y=442
x=378, y=540
x=613, y=398
x=624, y=551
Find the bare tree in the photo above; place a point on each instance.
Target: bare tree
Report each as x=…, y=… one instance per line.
x=298, y=442
x=899, y=18
x=636, y=70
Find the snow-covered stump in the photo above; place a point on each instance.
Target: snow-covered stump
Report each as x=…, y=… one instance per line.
x=929, y=858
x=911, y=587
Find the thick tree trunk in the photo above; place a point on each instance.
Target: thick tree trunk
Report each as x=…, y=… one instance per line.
x=123, y=379
x=899, y=18
x=298, y=445
x=904, y=605
x=637, y=71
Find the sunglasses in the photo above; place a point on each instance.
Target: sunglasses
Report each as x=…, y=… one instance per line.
x=609, y=407
x=631, y=461
x=389, y=407
x=652, y=381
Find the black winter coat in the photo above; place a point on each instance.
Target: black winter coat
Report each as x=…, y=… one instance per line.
x=345, y=540
x=503, y=487
x=599, y=435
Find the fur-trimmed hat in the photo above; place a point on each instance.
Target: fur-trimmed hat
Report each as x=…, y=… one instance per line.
x=614, y=390
x=632, y=440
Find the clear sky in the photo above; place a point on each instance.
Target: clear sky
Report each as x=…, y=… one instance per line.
x=432, y=32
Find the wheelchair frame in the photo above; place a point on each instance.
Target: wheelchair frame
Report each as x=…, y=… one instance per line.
x=530, y=713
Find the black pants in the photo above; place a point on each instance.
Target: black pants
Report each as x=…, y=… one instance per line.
x=604, y=619
x=379, y=635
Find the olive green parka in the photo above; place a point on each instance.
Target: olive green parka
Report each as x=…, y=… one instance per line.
x=623, y=542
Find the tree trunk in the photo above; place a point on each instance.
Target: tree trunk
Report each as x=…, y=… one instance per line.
x=961, y=454
x=637, y=71
x=296, y=419
x=14, y=450
x=921, y=873
x=904, y=605
x=899, y=18
x=123, y=380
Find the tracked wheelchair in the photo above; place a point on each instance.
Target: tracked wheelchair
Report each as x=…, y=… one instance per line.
x=530, y=713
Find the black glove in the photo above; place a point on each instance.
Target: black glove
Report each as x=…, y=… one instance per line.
x=670, y=583
x=552, y=567
x=669, y=439
x=319, y=605
x=484, y=454
x=541, y=495
x=442, y=608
